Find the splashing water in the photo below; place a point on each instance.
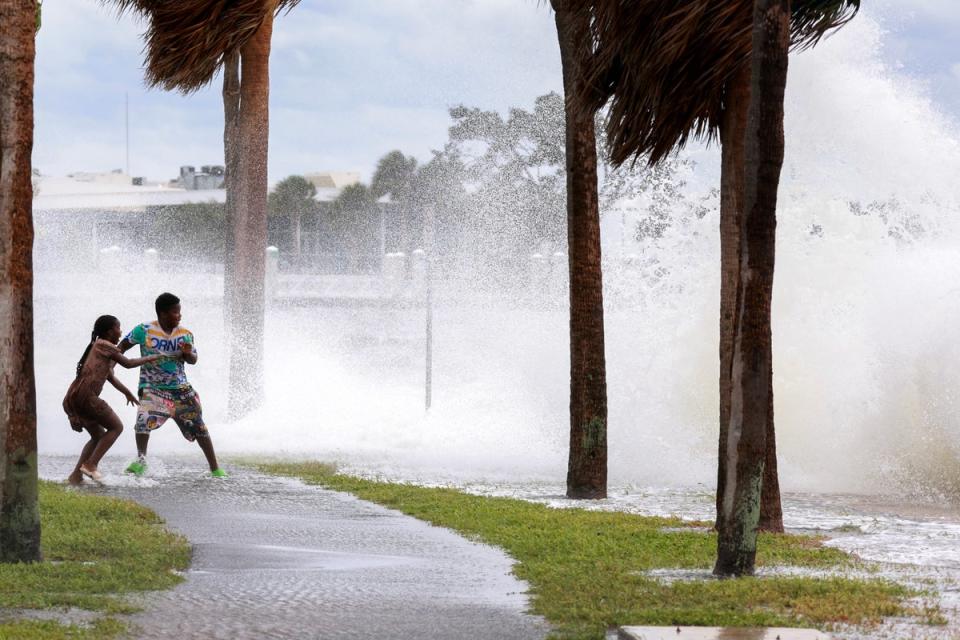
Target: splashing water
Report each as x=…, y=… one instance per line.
x=865, y=294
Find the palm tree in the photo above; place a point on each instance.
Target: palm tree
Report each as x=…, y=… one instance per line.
x=674, y=72
x=396, y=176
x=587, y=463
x=354, y=219
x=810, y=21
x=751, y=370
x=187, y=44
x=19, y=514
x=293, y=197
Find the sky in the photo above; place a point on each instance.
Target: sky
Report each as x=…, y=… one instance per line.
x=352, y=80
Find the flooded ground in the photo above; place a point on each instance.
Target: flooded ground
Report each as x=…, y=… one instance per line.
x=292, y=558
x=274, y=558
x=912, y=541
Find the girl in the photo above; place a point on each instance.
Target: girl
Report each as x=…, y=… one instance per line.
x=82, y=403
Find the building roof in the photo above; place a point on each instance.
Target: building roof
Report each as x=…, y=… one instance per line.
x=332, y=179
x=112, y=192
x=115, y=191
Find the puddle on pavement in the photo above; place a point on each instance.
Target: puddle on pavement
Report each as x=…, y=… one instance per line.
x=261, y=557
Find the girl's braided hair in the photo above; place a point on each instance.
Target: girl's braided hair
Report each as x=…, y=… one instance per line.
x=100, y=328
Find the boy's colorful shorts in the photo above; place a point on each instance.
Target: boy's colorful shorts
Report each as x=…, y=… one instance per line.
x=183, y=405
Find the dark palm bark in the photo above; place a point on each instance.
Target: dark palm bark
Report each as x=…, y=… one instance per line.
x=733, y=128
x=752, y=364
x=231, y=125
x=245, y=305
x=587, y=466
x=19, y=515
x=771, y=510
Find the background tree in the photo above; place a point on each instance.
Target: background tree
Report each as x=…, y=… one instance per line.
x=514, y=168
x=395, y=177
x=682, y=76
x=440, y=186
x=587, y=462
x=205, y=220
x=19, y=514
x=187, y=44
x=292, y=198
x=498, y=190
x=355, y=221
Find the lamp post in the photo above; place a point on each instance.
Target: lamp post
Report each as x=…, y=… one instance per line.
x=428, y=360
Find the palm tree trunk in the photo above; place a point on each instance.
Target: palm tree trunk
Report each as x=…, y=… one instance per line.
x=248, y=230
x=231, y=161
x=587, y=466
x=19, y=514
x=732, y=133
x=297, y=219
x=752, y=363
x=771, y=509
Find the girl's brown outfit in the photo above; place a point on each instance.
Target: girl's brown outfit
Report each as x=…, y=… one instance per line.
x=82, y=403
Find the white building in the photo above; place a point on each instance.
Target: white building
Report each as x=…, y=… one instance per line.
x=82, y=213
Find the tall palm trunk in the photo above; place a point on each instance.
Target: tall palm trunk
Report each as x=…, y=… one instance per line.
x=752, y=363
x=771, y=509
x=231, y=133
x=732, y=138
x=245, y=268
x=587, y=466
x=19, y=515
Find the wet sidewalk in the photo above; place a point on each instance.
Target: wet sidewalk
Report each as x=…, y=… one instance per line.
x=274, y=558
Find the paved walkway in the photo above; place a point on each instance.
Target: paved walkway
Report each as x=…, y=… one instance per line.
x=274, y=558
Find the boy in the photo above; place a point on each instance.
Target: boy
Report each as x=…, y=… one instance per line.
x=164, y=390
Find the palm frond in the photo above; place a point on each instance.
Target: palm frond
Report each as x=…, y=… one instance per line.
x=811, y=20
x=187, y=42
x=663, y=67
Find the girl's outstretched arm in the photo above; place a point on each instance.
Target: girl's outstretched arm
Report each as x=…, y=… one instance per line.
x=132, y=363
x=119, y=386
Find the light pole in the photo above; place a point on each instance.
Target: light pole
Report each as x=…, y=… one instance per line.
x=428, y=363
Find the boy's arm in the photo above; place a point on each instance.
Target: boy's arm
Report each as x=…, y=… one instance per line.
x=135, y=337
x=187, y=353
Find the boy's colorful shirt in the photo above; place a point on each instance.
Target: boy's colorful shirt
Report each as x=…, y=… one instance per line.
x=166, y=373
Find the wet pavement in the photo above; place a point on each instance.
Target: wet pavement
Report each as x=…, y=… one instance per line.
x=274, y=558
x=719, y=633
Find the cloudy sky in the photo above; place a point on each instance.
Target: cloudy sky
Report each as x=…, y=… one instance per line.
x=353, y=79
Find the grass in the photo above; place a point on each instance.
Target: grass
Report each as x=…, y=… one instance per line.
x=51, y=630
x=96, y=550
x=587, y=570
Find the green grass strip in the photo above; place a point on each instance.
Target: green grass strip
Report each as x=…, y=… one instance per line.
x=95, y=549
x=587, y=569
x=50, y=630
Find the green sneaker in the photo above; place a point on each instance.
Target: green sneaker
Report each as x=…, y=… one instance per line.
x=218, y=473
x=138, y=467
